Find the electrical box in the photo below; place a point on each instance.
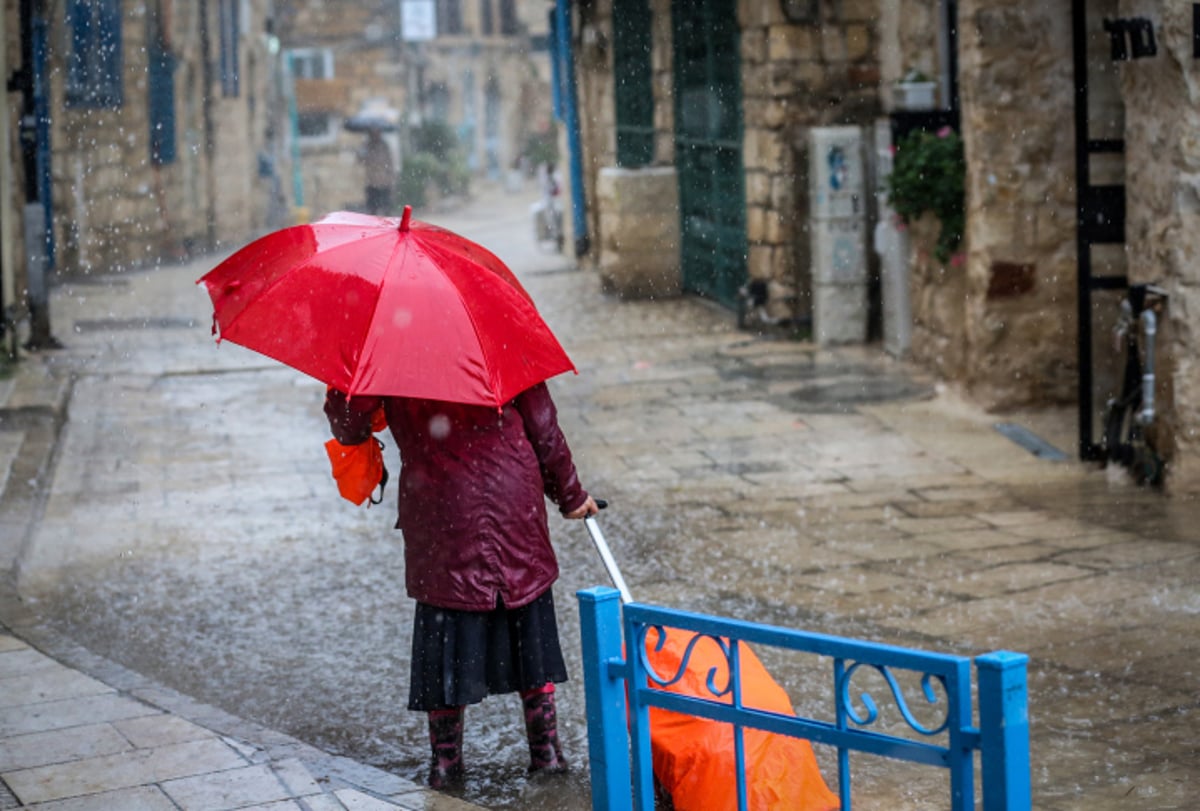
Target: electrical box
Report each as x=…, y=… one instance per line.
x=838, y=251
x=836, y=183
x=837, y=206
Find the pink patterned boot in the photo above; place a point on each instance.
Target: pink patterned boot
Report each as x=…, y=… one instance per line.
x=445, y=738
x=541, y=727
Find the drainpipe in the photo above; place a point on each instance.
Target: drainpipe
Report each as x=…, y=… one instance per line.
x=1150, y=330
x=29, y=82
x=8, y=286
x=566, y=56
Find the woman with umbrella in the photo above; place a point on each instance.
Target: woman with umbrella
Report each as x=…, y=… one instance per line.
x=478, y=558
x=408, y=321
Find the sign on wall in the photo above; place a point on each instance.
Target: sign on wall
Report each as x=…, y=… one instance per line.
x=418, y=20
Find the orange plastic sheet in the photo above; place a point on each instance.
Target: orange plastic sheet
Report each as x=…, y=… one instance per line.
x=358, y=469
x=694, y=757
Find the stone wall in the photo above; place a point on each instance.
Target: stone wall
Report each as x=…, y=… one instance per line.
x=1162, y=147
x=1016, y=80
x=638, y=211
x=938, y=296
x=794, y=76
x=797, y=75
x=113, y=207
x=595, y=97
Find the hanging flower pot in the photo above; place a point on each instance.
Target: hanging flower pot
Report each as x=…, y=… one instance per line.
x=914, y=92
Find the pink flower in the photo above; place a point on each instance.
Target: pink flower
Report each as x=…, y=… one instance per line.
x=958, y=259
x=892, y=149
x=944, y=132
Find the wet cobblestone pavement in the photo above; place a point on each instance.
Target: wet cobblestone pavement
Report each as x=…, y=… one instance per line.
x=188, y=532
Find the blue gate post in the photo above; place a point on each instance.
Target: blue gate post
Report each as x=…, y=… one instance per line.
x=1004, y=731
x=604, y=688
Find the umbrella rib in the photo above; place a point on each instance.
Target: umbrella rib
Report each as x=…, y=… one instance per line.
x=388, y=268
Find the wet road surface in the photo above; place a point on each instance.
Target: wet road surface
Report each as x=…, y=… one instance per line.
x=191, y=532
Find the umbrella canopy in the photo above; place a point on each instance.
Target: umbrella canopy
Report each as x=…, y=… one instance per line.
x=375, y=114
x=387, y=306
x=366, y=123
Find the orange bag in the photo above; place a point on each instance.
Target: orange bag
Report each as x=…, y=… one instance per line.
x=694, y=757
x=358, y=469
x=378, y=420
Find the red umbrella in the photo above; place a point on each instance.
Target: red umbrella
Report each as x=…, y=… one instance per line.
x=385, y=305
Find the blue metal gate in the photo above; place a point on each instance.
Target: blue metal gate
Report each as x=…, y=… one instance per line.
x=621, y=688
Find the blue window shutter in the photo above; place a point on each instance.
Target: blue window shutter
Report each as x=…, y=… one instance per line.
x=95, y=62
x=160, y=91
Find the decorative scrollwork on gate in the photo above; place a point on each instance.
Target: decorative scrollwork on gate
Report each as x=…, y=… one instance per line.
x=665, y=681
x=932, y=696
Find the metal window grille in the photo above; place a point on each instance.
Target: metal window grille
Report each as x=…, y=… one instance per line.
x=95, y=61
x=633, y=92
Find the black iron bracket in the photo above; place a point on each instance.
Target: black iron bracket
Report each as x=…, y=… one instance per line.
x=1138, y=32
x=1196, y=30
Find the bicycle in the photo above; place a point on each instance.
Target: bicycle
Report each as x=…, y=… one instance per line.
x=1129, y=415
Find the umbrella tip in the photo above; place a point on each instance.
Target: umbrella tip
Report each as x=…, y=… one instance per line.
x=405, y=217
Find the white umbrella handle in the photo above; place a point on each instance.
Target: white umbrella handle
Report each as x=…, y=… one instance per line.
x=610, y=564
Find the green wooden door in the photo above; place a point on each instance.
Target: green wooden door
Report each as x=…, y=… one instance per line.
x=708, y=147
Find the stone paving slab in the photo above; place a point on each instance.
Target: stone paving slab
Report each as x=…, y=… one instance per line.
x=741, y=489
x=68, y=742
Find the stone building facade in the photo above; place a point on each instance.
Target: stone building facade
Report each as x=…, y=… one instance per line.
x=1003, y=319
x=134, y=129
x=1161, y=96
x=163, y=127
x=141, y=173
x=478, y=72
x=821, y=70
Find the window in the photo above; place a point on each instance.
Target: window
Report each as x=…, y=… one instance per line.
x=487, y=22
x=312, y=63
x=230, y=11
x=318, y=96
x=508, y=18
x=94, y=63
x=449, y=17
x=633, y=93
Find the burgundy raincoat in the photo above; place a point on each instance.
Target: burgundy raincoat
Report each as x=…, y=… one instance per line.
x=473, y=482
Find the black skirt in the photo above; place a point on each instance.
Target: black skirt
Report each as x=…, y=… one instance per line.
x=459, y=657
